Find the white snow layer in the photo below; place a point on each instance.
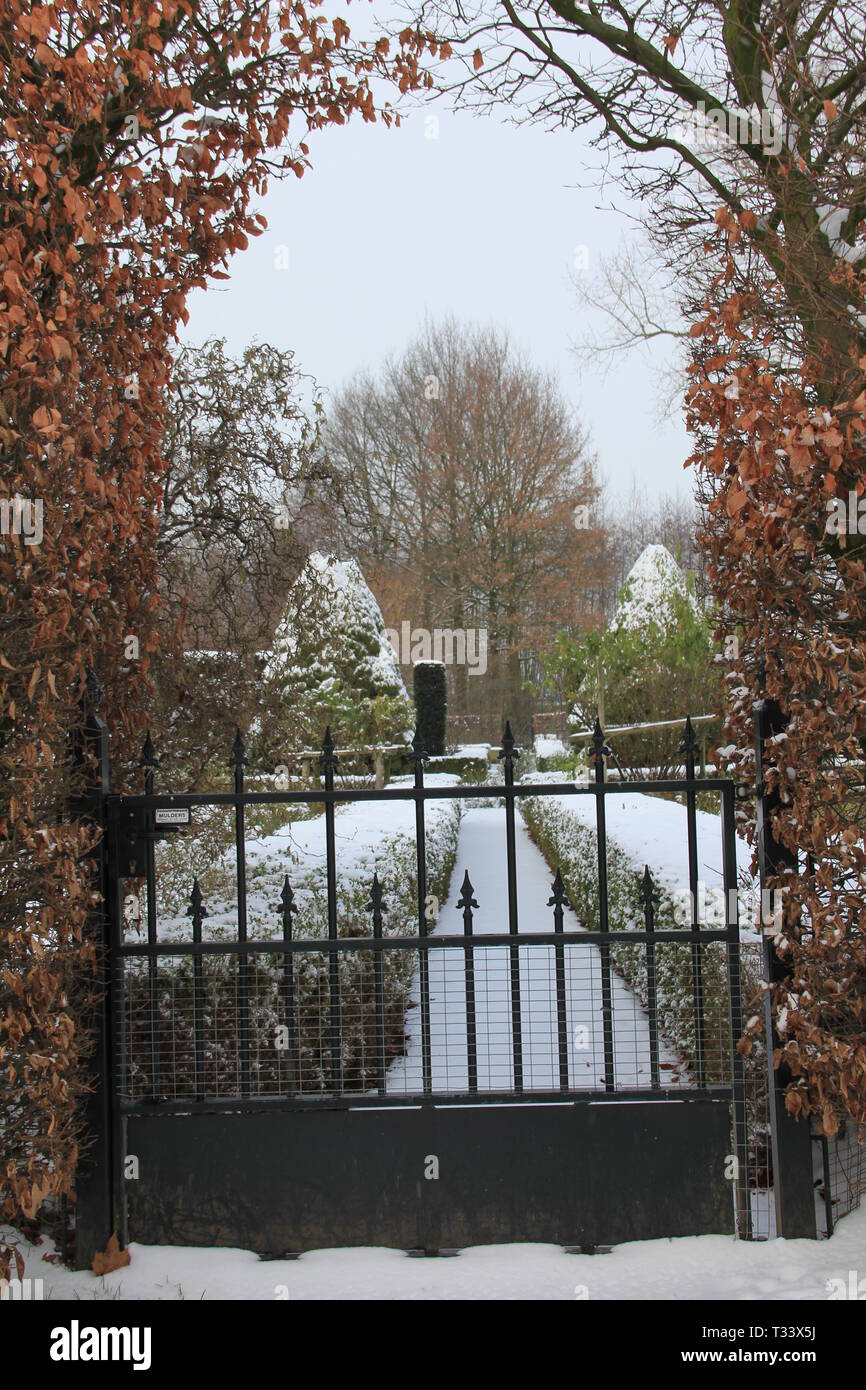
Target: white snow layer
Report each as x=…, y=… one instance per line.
x=701, y=1267
x=647, y=596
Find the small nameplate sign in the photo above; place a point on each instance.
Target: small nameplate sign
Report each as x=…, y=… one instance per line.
x=171, y=815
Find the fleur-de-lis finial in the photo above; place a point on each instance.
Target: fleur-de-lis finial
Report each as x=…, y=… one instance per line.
x=239, y=753
x=328, y=757
x=688, y=743
x=648, y=895
x=148, y=757
x=287, y=904
x=600, y=749
x=508, y=750
x=196, y=908
x=466, y=899
x=376, y=903
x=558, y=890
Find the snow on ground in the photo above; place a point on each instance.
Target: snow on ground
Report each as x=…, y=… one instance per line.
x=650, y=830
x=481, y=851
x=700, y=1267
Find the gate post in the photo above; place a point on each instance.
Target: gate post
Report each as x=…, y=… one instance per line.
x=790, y=1138
x=94, y=1211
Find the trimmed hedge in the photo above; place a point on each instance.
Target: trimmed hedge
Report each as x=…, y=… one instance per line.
x=571, y=845
x=430, y=692
x=396, y=867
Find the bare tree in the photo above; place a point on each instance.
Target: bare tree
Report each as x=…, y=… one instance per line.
x=461, y=469
x=758, y=108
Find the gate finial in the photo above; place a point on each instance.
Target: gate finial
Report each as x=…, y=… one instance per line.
x=148, y=756
x=558, y=889
x=328, y=758
x=196, y=909
x=287, y=903
x=238, y=756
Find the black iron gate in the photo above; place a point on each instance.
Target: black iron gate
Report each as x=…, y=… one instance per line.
x=254, y=1079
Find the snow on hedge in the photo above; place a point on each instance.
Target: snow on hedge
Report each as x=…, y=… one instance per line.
x=384, y=843
x=644, y=830
x=331, y=661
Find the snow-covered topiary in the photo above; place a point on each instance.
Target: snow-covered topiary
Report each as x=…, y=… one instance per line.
x=332, y=663
x=654, y=584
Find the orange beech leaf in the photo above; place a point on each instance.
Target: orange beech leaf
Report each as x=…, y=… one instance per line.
x=737, y=499
x=111, y=1258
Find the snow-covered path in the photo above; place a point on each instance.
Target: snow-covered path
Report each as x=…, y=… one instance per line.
x=481, y=851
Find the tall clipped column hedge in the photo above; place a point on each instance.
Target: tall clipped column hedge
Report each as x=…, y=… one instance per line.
x=430, y=693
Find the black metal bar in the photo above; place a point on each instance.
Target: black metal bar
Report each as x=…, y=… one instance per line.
x=419, y=943
x=328, y=760
x=828, y=1185
x=688, y=746
x=377, y=907
x=709, y=1095
x=467, y=902
x=287, y=907
x=197, y=912
x=149, y=762
x=96, y=1175
x=507, y=754
x=600, y=751
x=791, y=1140
x=735, y=1000
x=421, y=856
x=472, y=792
x=648, y=894
x=238, y=761
x=558, y=901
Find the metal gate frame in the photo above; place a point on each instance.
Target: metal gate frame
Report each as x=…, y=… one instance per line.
x=561, y=1165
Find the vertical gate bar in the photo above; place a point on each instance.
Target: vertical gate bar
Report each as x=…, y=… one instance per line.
x=828, y=1190
x=95, y=1176
x=424, y=962
x=558, y=901
x=114, y=897
x=647, y=891
x=467, y=901
x=688, y=746
x=287, y=902
x=377, y=907
x=238, y=761
x=507, y=753
x=793, y=1189
x=600, y=751
x=738, y=1071
x=197, y=913
x=149, y=761
x=328, y=760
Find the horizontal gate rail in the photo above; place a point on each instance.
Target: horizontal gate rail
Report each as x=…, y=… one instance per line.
x=494, y=790
x=443, y=1100
x=276, y=946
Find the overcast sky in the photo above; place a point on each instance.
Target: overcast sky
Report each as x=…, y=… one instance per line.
x=481, y=222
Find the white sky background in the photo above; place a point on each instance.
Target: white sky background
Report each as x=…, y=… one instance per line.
x=482, y=223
